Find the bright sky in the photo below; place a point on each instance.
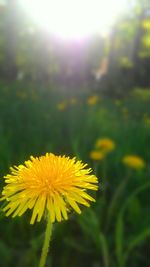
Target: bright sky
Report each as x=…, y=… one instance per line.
x=74, y=18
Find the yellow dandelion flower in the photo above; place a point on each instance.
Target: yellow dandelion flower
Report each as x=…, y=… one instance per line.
x=125, y=113
x=61, y=106
x=118, y=102
x=147, y=120
x=73, y=101
x=134, y=162
x=49, y=184
x=92, y=100
x=96, y=155
x=21, y=94
x=105, y=144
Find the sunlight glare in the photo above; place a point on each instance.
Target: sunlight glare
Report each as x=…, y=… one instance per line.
x=73, y=18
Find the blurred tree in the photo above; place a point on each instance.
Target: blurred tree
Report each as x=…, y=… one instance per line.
x=10, y=35
x=119, y=62
x=129, y=51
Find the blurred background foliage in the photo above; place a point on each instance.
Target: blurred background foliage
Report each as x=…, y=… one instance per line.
x=63, y=97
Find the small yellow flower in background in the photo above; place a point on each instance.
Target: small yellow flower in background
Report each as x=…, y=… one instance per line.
x=118, y=102
x=92, y=100
x=134, y=162
x=146, y=119
x=105, y=145
x=48, y=184
x=124, y=110
x=73, y=101
x=96, y=155
x=125, y=113
x=61, y=106
x=21, y=94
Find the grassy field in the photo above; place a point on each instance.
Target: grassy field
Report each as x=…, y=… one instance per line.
x=115, y=231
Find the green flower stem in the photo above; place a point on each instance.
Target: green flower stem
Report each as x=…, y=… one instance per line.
x=104, y=175
x=95, y=167
x=115, y=199
x=104, y=248
x=45, y=248
x=104, y=169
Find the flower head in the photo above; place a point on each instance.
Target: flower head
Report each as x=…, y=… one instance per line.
x=134, y=162
x=48, y=183
x=147, y=120
x=118, y=102
x=125, y=113
x=73, y=101
x=105, y=145
x=61, y=106
x=92, y=100
x=96, y=155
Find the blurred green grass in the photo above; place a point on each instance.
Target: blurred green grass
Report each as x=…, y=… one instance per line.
x=108, y=235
